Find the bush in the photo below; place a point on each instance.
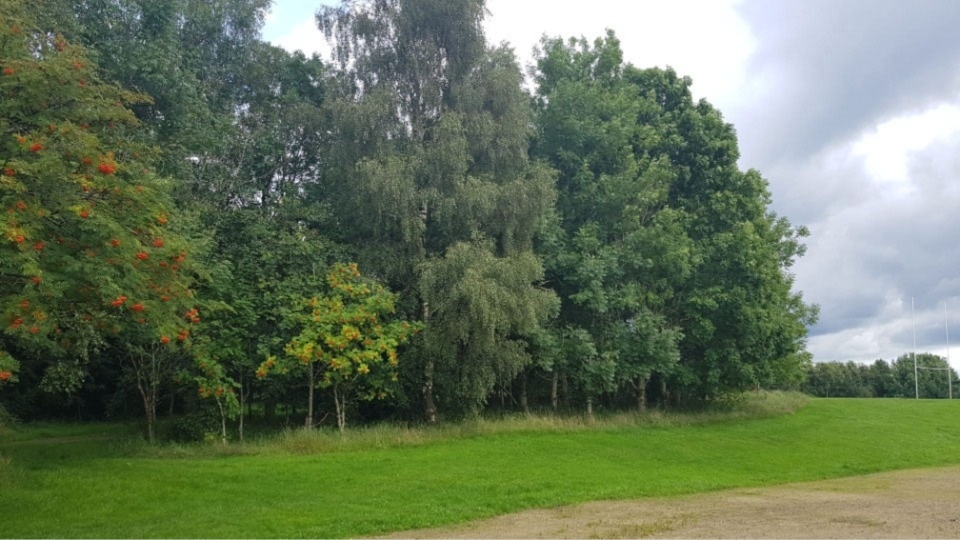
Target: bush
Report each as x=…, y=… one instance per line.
x=196, y=426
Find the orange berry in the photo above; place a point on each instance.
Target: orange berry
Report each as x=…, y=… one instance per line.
x=36, y=147
x=164, y=340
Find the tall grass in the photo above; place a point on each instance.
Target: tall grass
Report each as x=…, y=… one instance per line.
x=386, y=436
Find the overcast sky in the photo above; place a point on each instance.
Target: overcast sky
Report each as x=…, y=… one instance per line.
x=850, y=109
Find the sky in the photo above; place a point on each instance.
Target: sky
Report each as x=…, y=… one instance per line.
x=850, y=110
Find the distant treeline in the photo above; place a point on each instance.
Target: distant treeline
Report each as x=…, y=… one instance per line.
x=882, y=378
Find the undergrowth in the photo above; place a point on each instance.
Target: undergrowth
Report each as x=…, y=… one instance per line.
x=383, y=436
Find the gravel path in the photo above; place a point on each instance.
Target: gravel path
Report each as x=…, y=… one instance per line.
x=921, y=503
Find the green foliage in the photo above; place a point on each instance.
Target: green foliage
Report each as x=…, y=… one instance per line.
x=8, y=368
x=428, y=175
x=628, y=255
x=665, y=252
x=883, y=379
x=90, y=247
x=351, y=333
x=481, y=306
x=619, y=251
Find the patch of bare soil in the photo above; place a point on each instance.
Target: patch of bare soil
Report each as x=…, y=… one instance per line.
x=922, y=503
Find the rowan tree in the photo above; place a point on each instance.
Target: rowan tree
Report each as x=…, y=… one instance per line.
x=90, y=248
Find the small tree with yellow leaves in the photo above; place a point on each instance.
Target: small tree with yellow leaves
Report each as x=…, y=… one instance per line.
x=350, y=337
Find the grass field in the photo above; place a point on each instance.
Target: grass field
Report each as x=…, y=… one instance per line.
x=93, y=481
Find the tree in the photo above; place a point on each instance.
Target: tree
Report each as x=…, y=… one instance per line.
x=8, y=368
x=351, y=336
x=881, y=379
x=659, y=225
x=617, y=251
x=741, y=321
x=932, y=382
x=428, y=172
x=91, y=246
x=213, y=382
x=479, y=303
x=188, y=55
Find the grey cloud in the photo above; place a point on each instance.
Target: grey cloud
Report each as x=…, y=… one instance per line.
x=838, y=66
x=867, y=261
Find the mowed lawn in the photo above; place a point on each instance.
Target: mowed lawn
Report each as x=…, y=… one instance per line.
x=90, y=487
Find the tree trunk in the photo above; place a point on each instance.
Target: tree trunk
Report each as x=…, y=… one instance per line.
x=524, y=404
x=642, y=395
x=308, y=421
x=150, y=408
x=340, y=402
x=223, y=422
x=148, y=373
x=149, y=395
x=590, y=406
x=429, y=406
x=243, y=401
x=554, y=382
x=664, y=397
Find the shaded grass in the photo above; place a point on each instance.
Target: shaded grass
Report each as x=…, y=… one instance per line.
x=383, y=479
x=385, y=436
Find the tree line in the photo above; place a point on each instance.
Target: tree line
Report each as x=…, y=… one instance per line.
x=199, y=220
x=934, y=378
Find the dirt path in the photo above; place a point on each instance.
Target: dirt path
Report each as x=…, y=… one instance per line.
x=923, y=503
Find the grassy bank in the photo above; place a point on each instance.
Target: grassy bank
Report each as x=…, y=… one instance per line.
x=383, y=479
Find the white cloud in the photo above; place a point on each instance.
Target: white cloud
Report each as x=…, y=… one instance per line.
x=305, y=37
x=887, y=148
x=706, y=40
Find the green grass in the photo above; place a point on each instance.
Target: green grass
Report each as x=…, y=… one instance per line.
x=386, y=479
